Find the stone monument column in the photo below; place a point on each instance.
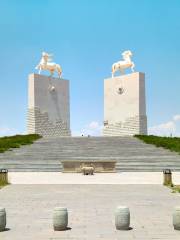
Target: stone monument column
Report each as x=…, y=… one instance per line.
x=48, y=106
x=125, y=102
x=48, y=102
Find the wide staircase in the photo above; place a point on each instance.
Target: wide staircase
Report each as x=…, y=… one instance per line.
x=131, y=154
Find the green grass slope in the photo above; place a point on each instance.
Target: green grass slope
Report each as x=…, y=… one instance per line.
x=7, y=143
x=171, y=143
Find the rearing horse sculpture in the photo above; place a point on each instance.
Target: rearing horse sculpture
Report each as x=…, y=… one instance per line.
x=122, y=65
x=46, y=64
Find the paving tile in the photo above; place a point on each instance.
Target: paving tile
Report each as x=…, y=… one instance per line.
x=91, y=211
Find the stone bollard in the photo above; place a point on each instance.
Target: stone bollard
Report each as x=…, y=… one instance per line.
x=122, y=218
x=60, y=219
x=176, y=218
x=3, y=176
x=167, y=177
x=2, y=219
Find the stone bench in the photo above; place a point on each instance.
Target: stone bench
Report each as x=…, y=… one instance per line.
x=100, y=166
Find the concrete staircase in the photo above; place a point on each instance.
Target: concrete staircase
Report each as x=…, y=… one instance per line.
x=45, y=155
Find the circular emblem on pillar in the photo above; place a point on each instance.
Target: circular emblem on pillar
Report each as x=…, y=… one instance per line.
x=51, y=88
x=120, y=90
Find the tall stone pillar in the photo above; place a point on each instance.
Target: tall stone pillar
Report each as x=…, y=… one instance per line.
x=48, y=106
x=125, y=105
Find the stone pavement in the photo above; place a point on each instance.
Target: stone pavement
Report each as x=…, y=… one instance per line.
x=98, y=178
x=91, y=211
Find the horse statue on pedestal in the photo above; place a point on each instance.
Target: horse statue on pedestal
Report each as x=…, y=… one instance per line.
x=47, y=64
x=122, y=65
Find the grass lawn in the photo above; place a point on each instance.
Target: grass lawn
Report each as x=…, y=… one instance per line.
x=175, y=188
x=171, y=143
x=7, y=143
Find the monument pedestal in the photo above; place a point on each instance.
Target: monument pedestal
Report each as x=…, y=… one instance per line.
x=48, y=106
x=125, y=105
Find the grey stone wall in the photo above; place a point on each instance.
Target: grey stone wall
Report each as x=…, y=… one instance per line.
x=133, y=125
x=40, y=123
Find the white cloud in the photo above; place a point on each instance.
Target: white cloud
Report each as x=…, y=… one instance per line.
x=6, y=131
x=171, y=127
x=92, y=129
x=176, y=117
x=76, y=133
x=164, y=129
x=94, y=125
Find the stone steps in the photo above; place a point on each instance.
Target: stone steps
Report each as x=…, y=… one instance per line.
x=130, y=153
x=145, y=168
x=120, y=163
x=118, y=159
x=35, y=169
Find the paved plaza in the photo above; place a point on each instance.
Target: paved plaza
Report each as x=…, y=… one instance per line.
x=91, y=211
x=97, y=178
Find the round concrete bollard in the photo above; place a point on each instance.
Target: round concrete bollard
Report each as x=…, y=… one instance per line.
x=2, y=219
x=176, y=218
x=60, y=219
x=122, y=218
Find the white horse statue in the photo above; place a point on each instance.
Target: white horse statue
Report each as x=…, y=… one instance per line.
x=47, y=64
x=122, y=65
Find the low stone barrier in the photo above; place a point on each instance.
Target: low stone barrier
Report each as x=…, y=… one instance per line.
x=122, y=218
x=60, y=219
x=2, y=219
x=100, y=166
x=176, y=218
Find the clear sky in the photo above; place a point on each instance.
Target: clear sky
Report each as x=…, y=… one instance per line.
x=86, y=37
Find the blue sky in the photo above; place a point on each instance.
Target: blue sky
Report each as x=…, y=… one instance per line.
x=86, y=37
